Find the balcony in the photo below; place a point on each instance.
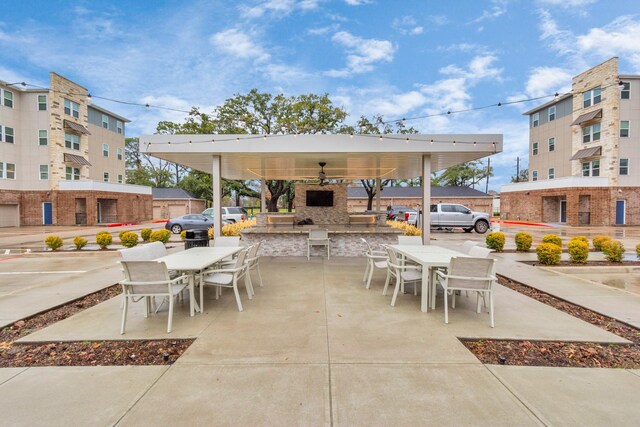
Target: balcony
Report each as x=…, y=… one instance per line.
x=112, y=187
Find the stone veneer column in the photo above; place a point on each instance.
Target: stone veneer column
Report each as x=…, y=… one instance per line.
x=61, y=88
x=604, y=75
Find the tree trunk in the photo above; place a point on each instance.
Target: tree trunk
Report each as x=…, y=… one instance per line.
x=370, y=201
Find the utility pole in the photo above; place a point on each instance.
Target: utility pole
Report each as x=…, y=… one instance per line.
x=517, y=169
x=486, y=190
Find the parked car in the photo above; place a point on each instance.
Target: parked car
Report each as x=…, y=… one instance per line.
x=450, y=215
x=232, y=213
x=190, y=222
x=398, y=212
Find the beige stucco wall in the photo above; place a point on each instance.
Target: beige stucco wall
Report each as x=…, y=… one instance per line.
x=101, y=164
x=560, y=129
x=630, y=146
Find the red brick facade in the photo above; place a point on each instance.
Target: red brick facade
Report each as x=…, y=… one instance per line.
x=584, y=205
x=79, y=207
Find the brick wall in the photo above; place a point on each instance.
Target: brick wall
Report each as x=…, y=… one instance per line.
x=336, y=214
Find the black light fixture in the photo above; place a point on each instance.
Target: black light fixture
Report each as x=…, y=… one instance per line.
x=321, y=175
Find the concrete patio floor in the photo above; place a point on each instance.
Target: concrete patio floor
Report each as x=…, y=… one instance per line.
x=314, y=347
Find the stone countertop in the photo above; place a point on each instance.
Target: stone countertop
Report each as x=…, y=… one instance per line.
x=333, y=229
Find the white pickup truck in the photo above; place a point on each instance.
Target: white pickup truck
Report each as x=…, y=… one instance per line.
x=450, y=215
x=231, y=214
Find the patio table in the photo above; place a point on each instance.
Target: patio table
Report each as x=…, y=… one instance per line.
x=428, y=256
x=193, y=261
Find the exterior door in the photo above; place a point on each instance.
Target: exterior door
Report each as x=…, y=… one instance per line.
x=563, y=211
x=99, y=211
x=47, y=213
x=620, y=212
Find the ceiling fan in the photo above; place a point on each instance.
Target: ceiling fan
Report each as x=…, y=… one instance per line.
x=322, y=175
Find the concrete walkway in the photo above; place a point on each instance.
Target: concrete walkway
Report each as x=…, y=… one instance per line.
x=316, y=348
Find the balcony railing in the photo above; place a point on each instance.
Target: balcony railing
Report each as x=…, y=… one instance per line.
x=91, y=185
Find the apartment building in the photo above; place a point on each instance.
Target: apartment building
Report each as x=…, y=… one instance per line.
x=584, y=154
x=62, y=159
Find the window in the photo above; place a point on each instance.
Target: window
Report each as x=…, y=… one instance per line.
x=535, y=119
x=551, y=173
x=624, y=128
x=43, y=137
x=105, y=177
x=8, y=98
x=105, y=121
x=591, y=133
x=119, y=179
x=44, y=171
x=591, y=168
x=624, y=167
x=8, y=135
x=72, y=141
x=42, y=102
x=71, y=108
x=552, y=144
x=8, y=170
x=119, y=126
x=534, y=149
x=119, y=153
x=534, y=176
x=626, y=90
x=72, y=174
x=591, y=97
x=105, y=150
x=552, y=113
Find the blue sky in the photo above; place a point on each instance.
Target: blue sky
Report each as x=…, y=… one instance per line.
x=403, y=58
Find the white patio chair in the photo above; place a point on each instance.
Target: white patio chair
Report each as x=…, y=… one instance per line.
x=227, y=241
x=147, y=279
x=467, y=245
x=318, y=237
x=479, y=252
x=157, y=249
x=467, y=274
x=227, y=278
x=375, y=259
x=253, y=262
x=402, y=273
x=410, y=240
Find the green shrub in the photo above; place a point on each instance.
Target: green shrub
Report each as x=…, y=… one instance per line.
x=523, y=241
x=638, y=250
x=495, y=240
x=121, y=233
x=80, y=242
x=548, y=253
x=599, y=241
x=183, y=234
x=552, y=238
x=53, y=242
x=578, y=251
x=129, y=239
x=581, y=238
x=160, y=236
x=103, y=239
x=613, y=250
x=210, y=233
x=145, y=233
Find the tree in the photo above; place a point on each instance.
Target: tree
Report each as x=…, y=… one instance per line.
x=377, y=126
x=142, y=169
x=522, y=177
x=464, y=175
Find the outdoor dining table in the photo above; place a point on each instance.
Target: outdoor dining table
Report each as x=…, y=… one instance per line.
x=429, y=257
x=193, y=261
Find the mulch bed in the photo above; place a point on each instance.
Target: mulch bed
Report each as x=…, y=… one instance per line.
x=82, y=353
x=561, y=353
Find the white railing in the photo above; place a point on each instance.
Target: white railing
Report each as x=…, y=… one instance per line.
x=90, y=185
x=565, y=182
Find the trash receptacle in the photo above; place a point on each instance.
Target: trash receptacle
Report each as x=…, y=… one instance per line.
x=196, y=238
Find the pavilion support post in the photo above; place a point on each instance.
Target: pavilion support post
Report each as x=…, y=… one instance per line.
x=263, y=196
x=426, y=199
x=378, y=195
x=216, y=176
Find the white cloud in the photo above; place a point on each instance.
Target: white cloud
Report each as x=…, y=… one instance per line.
x=407, y=25
x=567, y=3
x=238, y=44
x=362, y=55
x=547, y=80
x=498, y=9
x=278, y=8
x=357, y=2
x=320, y=31
x=480, y=67
x=620, y=37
